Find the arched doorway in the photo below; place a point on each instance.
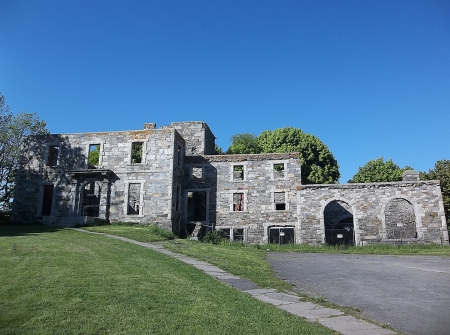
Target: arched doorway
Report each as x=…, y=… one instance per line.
x=339, y=228
x=90, y=205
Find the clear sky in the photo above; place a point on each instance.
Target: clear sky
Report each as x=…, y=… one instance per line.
x=369, y=78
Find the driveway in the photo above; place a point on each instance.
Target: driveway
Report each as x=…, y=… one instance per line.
x=411, y=293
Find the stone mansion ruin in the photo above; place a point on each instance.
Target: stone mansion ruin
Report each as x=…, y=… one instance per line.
x=170, y=176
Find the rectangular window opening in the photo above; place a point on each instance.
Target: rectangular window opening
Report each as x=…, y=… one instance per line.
x=94, y=156
x=179, y=155
x=136, y=152
x=238, y=172
x=280, y=201
x=178, y=199
x=281, y=235
x=134, y=199
x=197, y=172
x=196, y=206
x=238, y=202
x=53, y=152
x=47, y=200
x=238, y=235
x=278, y=170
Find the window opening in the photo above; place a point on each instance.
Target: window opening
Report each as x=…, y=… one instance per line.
x=93, y=156
x=197, y=172
x=196, y=206
x=238, y=202
x=136, y=152
x=238, y=235
x=278, y=170
x=91, y=199
x=179, y=155
x=53, y=152
x=281, y=235
x=280, y=201
x=178, y=199
x=47, y=200
x=238, y=172
x=134, y=199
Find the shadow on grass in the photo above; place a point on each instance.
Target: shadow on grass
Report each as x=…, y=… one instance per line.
x=26, y=229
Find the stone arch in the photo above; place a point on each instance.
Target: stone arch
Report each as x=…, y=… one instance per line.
x=90, y=194
x=338, y=222
x=400, y=220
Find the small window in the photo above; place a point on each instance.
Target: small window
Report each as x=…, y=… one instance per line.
x=280, y=201
x=53, y=153
x=47, y=200
x=179, y=155
x=238, y=202
x=134, y=199
x=93, y=156
x=136, y=152
x=197, y=172
x=178, y=199
x=238, y=172
x=238, y=235
x=278, y=171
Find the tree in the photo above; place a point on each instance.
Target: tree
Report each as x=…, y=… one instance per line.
x=13, y=129
x=244, y=144
x=441, y=172
x=379, y=170
x=318, y=164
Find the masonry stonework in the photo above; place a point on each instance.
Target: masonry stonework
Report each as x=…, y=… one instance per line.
x=171, y=177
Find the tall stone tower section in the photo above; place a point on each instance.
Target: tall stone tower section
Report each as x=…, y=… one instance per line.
x=199, y=138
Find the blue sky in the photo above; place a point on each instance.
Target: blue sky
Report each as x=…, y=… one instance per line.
x=369, y=78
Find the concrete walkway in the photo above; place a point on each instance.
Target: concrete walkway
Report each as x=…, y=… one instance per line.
x=331, y=318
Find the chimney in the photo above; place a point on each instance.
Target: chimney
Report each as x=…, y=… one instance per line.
x=150, y=125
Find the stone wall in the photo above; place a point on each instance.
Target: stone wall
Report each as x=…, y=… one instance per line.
x=246, y=193
x=150, y=181
x=381, y=212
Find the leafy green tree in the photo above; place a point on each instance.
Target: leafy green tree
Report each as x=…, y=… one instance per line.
x=13, y=129
x=94, y=156
x=244, y=144
x=379, y=170
x=218, y=150
x=318, y=163
x=441, y=172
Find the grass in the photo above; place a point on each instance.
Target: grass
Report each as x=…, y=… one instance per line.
x=67, y=282
x=138, y=232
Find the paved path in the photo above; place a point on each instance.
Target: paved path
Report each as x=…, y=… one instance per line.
x=411, y=293
x=330, y=318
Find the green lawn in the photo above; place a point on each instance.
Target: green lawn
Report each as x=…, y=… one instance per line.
x=68, y=282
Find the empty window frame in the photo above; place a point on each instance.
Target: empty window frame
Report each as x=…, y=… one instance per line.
x=178, y=199
x=94, y=156
x=279, y=170
x=47, y=200
x=279, y=199
x=238, y=172
x=238, y=202
x=196, y=205
x=136, y=152
x=134, y=199
x=197, y=172
x=281, y=235
x=179, y=155
x=53, y=155
x=239, y=234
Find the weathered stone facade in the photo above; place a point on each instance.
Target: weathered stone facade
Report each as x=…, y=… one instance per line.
x=170, y=176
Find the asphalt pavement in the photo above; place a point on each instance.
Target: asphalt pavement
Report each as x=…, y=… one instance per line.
x=410, y=293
